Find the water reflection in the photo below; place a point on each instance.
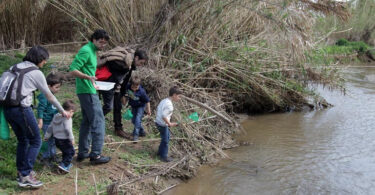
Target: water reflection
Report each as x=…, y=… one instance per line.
x=321, y=152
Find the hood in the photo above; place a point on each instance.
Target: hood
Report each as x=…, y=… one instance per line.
x=58, y=119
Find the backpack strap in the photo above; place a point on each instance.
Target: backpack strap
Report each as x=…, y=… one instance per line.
x=21, y=73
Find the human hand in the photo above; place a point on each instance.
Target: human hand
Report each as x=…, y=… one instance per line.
x=148, y=113
x=40, y=125
x=73, y=143
x=173, y=124
x=66, y=114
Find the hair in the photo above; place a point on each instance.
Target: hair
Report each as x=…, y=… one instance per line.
x=99, y=34
x=36, y=55
x=142, y=55
x=136, y=80
x=69, y=105
x=174, y=90
x=53, y=79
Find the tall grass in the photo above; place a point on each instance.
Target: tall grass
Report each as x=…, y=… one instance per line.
x=219, y=47
x=25, y=23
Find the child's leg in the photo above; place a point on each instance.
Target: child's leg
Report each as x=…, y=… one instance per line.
x=50, y=151
x=67, y=149
x=163, y=147
x=137, y=120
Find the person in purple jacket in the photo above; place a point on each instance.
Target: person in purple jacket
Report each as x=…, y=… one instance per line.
x=138, y=101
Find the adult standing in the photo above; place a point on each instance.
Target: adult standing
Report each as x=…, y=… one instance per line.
x=121, y=62
x=21, y=117
x=83, y=68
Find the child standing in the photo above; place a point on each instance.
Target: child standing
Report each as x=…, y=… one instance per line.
x=45, y=112
x=138, y=100
x=61, y=130
x=163, y=121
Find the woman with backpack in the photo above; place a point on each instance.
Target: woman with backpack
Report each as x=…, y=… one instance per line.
x=20, y=115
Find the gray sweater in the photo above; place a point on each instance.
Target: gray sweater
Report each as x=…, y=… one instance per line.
x=60, y=128
x=32, y=81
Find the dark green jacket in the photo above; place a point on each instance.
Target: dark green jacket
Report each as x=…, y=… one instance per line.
x=45, y=110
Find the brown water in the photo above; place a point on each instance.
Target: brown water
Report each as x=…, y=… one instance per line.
x=328, y=151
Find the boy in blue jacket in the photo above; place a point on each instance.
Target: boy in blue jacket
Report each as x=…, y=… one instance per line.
x=138, y=101
x=46, y=111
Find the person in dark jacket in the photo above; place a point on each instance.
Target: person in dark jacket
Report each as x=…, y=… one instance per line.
x=121, y=62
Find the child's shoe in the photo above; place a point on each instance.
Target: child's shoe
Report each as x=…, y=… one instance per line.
x=64, y=168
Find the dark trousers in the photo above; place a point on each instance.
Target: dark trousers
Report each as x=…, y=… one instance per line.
x=67, y=149
x=112, y=100
x=93, y=124
x=163, y=147
x=25, y=127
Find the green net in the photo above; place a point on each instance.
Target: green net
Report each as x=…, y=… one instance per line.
x=194, y=116
x=127, y=115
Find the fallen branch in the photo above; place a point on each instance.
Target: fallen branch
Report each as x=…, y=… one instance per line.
x=208, y=108
x=166, y=189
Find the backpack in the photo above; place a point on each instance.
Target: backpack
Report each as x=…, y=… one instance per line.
x=11, y=85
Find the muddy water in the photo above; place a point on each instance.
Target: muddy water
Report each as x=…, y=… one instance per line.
x=329, y=151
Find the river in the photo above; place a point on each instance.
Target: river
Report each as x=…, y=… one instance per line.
x=329, y=151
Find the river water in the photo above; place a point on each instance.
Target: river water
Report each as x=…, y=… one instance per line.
x=329, y=151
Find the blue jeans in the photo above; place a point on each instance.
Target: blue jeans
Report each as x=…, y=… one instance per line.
x=137, y=120
x=93, y=124
x=51, y=149
x=25, y=127
x=67, y=149
x=163, y=147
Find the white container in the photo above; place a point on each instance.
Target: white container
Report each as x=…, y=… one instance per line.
x=104, y=86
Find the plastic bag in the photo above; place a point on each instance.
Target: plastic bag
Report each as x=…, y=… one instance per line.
x=4, y=128
x=127, y=115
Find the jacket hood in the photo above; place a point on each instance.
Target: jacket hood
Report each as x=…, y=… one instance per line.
x=58, y=119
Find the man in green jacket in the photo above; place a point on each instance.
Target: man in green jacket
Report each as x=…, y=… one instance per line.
x=83, y=68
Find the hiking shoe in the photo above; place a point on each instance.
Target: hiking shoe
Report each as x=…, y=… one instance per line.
x=29, y=182
x=64, y=168
x=80, y=158
x=168, y=159
x=120, y=133
x=99, y=160
x=19, y=176
x=142, y=134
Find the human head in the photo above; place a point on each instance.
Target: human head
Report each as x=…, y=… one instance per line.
x=99, y=38
x=136, y=81
x=37, y=55
x=174, y=93
x=69, y=106
x=54, y=82
x=140, y=57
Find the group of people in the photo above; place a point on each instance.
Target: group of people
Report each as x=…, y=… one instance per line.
x=55, y=120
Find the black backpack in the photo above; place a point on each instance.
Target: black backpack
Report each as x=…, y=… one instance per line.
x=11, y=85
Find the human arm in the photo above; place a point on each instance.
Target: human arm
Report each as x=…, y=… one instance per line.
x=124, y=100
x=79, y=61
x=68, y=124
x=41, y=84
x=48, y=133
x=42, y=105
x=169, y=124
x=79, y=74
x=148, y=108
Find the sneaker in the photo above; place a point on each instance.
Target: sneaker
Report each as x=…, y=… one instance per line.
x=80, y=158
x=64, y=168
x=168, y=159
x=29, y=182
x=99, y=160
x=19, y=176
x=135, y=138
